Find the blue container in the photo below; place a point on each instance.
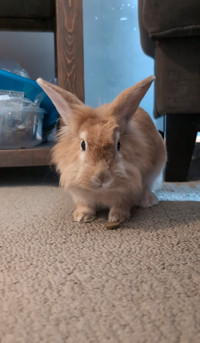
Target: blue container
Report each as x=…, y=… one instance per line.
x=31, y=90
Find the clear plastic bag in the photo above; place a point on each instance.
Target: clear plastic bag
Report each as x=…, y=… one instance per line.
x=13, y=67
x=20, y=121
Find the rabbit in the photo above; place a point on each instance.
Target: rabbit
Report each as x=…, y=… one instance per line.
x=108, y=156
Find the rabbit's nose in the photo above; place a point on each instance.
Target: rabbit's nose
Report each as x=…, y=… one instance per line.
x=96, y=182
x=100, y=178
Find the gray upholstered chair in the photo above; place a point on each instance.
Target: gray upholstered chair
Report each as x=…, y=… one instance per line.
x=170, y=33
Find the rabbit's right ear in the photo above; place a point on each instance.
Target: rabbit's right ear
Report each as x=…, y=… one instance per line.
x=62, y=99
x=126, y=103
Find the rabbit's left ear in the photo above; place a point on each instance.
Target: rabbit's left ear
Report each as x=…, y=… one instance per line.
x=126, y=103
x=62, y=99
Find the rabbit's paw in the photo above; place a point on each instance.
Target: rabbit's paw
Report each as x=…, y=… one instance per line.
x=118, y=215
x=148, y=199
x=84, y=214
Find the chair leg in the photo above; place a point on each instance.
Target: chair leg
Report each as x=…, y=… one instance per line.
x=181, y=131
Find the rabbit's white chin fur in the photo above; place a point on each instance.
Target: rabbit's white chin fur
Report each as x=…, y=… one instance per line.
x=108, y=156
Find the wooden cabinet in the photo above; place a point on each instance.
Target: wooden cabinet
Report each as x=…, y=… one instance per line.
x=65, y=19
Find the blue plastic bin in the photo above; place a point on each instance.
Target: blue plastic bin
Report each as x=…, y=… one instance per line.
x=31, y=90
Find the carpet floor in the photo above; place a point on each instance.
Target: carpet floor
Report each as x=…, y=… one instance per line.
x=64, y=282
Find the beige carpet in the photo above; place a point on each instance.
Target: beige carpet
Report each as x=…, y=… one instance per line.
x=79, y=283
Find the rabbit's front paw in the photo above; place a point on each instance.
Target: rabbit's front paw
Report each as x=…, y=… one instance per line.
x=118, y=215
x=148, y=199
x=84, y=214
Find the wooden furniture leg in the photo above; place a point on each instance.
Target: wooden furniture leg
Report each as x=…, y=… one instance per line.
x=69, y=40
x=181, y=131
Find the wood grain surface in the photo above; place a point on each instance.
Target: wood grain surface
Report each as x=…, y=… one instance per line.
x=38, y=156
x=69, y=35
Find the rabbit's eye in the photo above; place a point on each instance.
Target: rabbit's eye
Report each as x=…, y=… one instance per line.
x=118, y=145
x=83, y=145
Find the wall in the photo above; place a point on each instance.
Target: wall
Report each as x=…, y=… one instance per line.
x=33, y=51
x=114, y=59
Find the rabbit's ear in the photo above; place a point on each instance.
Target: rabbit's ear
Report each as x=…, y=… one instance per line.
x=125, y=104
x=63, y=100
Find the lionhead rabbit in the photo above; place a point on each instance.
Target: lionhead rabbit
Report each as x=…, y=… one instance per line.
x=108, y=156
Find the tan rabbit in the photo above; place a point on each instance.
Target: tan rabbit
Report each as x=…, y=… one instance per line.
x=108, y=156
